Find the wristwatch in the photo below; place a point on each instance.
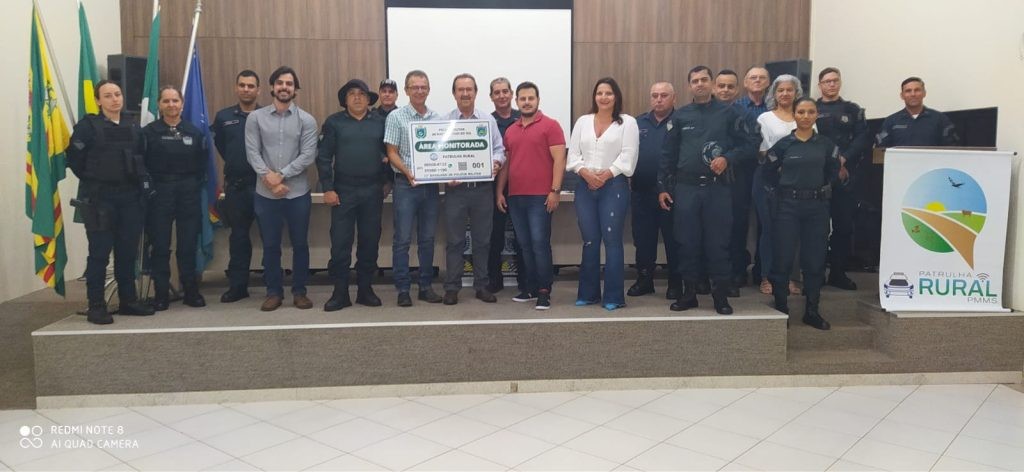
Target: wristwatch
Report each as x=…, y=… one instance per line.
x=555, y=190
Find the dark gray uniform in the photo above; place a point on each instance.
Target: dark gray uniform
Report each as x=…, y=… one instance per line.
x=176, y=158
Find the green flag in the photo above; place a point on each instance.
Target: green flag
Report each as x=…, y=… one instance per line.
x=151, y=87
x=88, y=76
x=47, y=138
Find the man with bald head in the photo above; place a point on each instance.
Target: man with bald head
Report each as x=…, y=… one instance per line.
x=648, y=216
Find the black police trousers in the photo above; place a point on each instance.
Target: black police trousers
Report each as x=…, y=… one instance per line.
x=501, y=222
x=703, y=219
x=804, y=222
x=176, y=201
x=648, y=220
x=743, y=175
x=113, y=221
x=239, y=214
x=843, y=207
x=359, y=211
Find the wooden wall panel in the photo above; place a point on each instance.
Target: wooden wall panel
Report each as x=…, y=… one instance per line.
x=329, y=41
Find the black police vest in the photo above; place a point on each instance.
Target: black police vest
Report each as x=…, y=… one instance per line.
x=111, y=158
x=174, y=152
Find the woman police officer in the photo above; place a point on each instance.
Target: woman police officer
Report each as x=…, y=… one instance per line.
x=801, y=168
x=104, y=155
x=175, y=155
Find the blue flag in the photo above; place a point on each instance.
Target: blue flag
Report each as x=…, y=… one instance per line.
x=194, y=111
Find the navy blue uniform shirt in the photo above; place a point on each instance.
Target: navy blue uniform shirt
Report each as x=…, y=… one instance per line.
x=843, y=122
x=930, y=128
x=802, y=165
x=229, y=138
x=652, y=142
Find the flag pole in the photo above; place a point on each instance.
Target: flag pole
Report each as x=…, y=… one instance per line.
x=191, y=45
x=53, y=62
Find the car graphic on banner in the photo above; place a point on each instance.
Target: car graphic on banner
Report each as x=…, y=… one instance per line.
x=898, y=285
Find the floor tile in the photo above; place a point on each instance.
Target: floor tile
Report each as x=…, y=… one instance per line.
x=610, y=444
x=175, y=413
x=812, y=439
x=500, y=413
x=454, y=431
x=236, y=465
x=214, y=423
x=552, y=427
x=249, y=439
x=987, y=453
x=542, y=400
x=452, y=403
x=746, y=422
x=591, y=410
x=834, y=420
x=125, y=424
x=1002, y=395
x=649, y=425
x=713, y=442
x=718, y=396
x=192, y=456
x=150, y=442
x=908, y=435
x=894, y=393
x=798, y=394
x=630, y=398
x=507, y=448
x=15, y=416
x=563, y=458
x=736, y=467
x=771, y=456
x=772, y=406
x=1000, y=413
x=669, y=457
x=401, y=452
x=682, y=407
x=355, y=434
x=950, y=464
x=80, y=416
x=974, y=392
x=270, y=410
x=310, y=420
x=931, y=416
x=365, y=406
x=847, y=466
x=859, y=405
x=14, y=453
x=76, y=459
x=406, y=416
x=296, y=454
x=347, y=462
x=458, y=460
x=889, y=456
x=119, y=467
x=989, y=430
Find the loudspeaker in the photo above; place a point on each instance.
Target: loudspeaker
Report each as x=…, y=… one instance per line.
x=799, y=68
x=130, y=73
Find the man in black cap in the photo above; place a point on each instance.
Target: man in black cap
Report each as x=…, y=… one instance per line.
x=350, y=161
x=388, y=91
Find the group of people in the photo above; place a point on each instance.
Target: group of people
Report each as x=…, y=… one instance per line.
x=690, y=173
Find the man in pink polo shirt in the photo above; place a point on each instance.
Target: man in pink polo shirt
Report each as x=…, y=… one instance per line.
x=535, y=150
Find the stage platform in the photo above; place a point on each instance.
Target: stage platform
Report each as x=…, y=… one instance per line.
x=236, y=347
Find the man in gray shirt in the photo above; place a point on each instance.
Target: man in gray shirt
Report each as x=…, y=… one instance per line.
x=470, y=200
x=280, y=144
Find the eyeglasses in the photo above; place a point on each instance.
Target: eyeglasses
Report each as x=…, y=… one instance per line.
x=418, y=88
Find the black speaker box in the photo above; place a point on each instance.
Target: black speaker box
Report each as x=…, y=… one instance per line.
x=799, y=68
x=130, y=73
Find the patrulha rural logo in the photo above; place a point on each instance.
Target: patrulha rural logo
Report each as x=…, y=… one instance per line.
x=944, y=211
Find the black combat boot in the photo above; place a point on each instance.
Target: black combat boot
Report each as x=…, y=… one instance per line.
x=721, y=297
x=811, y=315
x=644, y=284
x=98, y=314
x=675, y=288
x=339, y=299
x=687, y=300
x=192, y=296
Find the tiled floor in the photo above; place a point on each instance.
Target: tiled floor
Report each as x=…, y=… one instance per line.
x=933, y=427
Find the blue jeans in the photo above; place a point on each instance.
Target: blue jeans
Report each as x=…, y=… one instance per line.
x=765, y=262
x=272, y=215
x=418, y=205
x=532, y=224
x=601, y=215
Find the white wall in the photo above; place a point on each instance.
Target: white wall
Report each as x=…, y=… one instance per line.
x=970, y=55
x=17, y=272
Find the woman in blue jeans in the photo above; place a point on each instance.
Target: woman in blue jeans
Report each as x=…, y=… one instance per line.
x=603, y=151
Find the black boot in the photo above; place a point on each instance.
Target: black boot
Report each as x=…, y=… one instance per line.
x=234, y=294
x=192, y=296
x=339, y=299
x=644, y=284
x=135, y=308
x=811, y=315
x=781, y=301
x=675, y=288
x=366, y=297
x=721, y=297
x=703, y=287
x=161, y=295
x=98, y=314
x=687, y=300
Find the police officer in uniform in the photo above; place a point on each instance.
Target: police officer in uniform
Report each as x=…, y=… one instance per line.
x=704, y=139
x=104, y=154
x=843, y=122
x=916, y=124
x=239, y=182
x=801, y=168
x=176, y=154
x=350, y=163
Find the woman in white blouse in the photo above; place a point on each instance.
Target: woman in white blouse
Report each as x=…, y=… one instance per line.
x=603, y=151
x=776, y=123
